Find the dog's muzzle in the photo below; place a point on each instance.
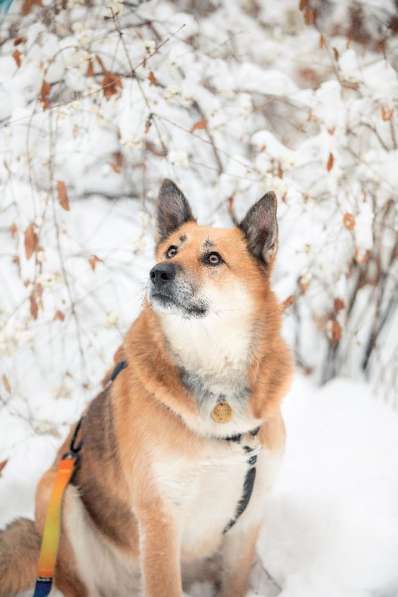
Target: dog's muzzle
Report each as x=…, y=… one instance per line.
x=171, y=291
x=162, y=275
x=163, y=283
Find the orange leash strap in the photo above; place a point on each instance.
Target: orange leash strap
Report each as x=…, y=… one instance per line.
x=52, y=526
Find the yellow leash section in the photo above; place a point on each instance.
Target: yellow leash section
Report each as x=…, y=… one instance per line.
x=52, y=527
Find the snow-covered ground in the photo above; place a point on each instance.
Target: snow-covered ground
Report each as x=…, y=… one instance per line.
x=331, y=526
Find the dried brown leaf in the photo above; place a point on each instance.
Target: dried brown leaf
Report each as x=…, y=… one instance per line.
x=58, y=316
x=111, y=84
x=349, y=221
x=31, y=241
x=2, y=465
x=381, y=47
x=28, y=5
x=13, y=230
x=200, y=124
x=330, y=162
x=303, y=283
x=334, y=331
x=117, y=162
x=386, y=113
x=152, y=78
x=90, y=68
x=339, y=304
x=309, y=16
x=93, y=260
x=6, y=383
x=34, y=306
x=63, y=195
x=288, y=302
x=38, y=290
x=231, y=209
x=17, y=57
x=44, y=95
x=310, y=75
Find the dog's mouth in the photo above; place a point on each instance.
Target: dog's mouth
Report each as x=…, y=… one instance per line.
x=169, y=301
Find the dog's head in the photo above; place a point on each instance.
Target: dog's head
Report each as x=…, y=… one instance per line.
x=203, y=271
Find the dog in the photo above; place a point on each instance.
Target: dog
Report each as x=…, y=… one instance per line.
x=181, y=448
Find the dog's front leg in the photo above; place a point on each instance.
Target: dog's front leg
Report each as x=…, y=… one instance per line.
x=238, y=555
x=160, y=552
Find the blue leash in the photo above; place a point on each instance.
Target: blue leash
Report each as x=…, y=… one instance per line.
x=43, y=587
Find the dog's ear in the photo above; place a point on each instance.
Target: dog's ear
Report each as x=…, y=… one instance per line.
x=173, y=209
x=260, y=228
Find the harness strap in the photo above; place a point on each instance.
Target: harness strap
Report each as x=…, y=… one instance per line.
x=248, y=483
x=119, y=367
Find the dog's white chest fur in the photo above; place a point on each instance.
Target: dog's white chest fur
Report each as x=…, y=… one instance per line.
x=212, y=355
x=217, y=342
x=203, y=493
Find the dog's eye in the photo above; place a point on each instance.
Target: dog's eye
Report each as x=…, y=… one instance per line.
x=171, y=252
x=213, y=258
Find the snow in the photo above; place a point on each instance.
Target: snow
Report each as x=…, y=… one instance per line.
x=331, y=527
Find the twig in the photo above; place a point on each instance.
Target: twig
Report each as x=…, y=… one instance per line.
x=202, y=115
x=60, y=250
x=393, y=134
x=271, y=579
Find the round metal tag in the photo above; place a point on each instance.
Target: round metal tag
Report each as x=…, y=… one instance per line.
x=222, y=412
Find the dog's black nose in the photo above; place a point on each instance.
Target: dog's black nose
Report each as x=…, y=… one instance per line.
x=162, y=273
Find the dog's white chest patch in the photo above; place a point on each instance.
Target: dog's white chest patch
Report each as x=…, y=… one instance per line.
x=204, y=494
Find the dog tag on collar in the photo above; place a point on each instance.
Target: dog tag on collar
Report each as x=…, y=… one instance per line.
x=222, y=412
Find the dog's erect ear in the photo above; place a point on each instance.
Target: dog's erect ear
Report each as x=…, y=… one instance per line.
x=260, y=227
x=173, y=209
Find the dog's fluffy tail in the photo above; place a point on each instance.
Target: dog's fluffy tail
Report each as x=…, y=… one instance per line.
x=19, y=554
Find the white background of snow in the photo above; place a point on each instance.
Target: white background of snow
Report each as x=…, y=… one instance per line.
x=332, y=523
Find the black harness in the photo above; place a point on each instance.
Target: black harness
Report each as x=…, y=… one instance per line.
x=248, y=483
x=250, y=477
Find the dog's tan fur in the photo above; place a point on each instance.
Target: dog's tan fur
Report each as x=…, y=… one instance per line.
x=157, y=482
